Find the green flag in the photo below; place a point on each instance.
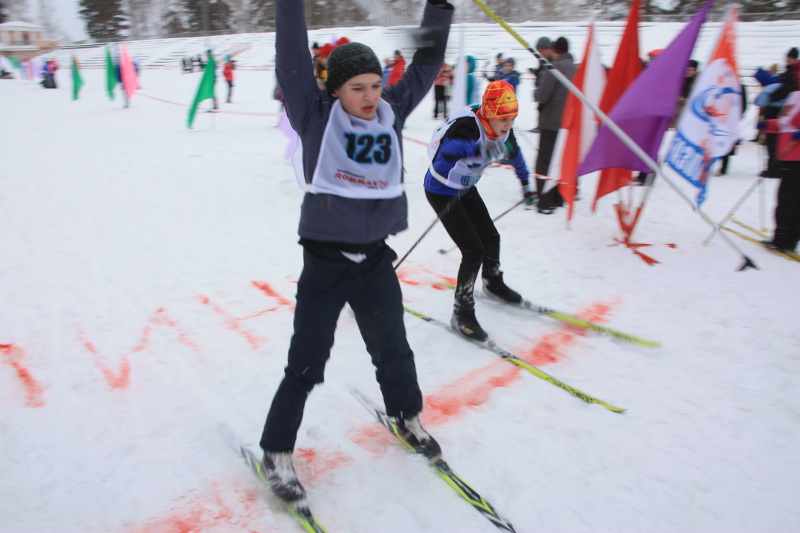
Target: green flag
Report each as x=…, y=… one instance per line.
x=206, y=89
x=111, y=75
x=14, y=62
x=77, y=80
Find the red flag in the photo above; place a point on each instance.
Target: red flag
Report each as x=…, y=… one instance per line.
x=578, y=119
x=627, y=67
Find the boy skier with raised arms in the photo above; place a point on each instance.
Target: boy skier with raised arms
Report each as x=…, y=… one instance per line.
x=352, y=172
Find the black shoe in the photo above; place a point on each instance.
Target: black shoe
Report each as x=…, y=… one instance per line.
x=772, y=245
x=496, y=288
x=411, y=431
x=279, y=471
x=546, y=210
x=464, y=321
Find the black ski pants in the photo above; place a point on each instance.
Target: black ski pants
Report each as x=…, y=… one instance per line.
x=439, y=97
x=547, y=143
x=469, y=224
x=328, y=281
x=787, y=212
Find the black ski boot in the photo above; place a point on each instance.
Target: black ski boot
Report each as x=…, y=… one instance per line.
x=495, y=287
x=464, y=320
x=414, y=434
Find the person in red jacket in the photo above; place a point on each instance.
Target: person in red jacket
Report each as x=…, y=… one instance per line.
x=398, y=68
x=227, y=71
x=787, y=152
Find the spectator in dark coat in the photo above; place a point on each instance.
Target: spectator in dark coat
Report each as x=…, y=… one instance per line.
x=552, y=97
x=788, y=85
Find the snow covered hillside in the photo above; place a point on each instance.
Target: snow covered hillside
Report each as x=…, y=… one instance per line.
x=147, y=279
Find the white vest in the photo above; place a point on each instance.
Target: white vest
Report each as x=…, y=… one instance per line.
x=358, y=158
x=468, y=170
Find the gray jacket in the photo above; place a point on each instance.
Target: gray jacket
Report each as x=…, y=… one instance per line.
x=552, y=95
x=327, y=217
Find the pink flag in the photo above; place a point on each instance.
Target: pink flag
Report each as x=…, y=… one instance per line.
x=130, y=81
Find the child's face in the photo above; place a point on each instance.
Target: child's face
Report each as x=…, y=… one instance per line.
x=360, y=95
x=501, y=126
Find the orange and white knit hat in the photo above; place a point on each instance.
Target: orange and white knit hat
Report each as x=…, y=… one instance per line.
x=499, y=101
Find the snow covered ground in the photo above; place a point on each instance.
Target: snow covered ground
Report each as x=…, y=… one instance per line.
x=147, y=279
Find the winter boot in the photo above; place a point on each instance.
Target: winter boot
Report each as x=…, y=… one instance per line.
x=464, y=321
x=496, y=288
x=279, y=471
x=414, y=434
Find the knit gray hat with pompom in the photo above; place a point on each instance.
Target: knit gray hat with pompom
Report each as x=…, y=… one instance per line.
x=348, y=60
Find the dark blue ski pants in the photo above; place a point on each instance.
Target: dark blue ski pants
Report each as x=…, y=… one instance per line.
x=328, y=281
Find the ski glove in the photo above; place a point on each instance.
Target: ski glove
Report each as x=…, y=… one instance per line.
x=796, y=136
x=528, y=194
x=496, y=152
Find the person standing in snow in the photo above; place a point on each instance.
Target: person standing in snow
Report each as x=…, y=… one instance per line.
x=787, y=151
x=509, y=74
x=352, y=171
x=473, y=94
x=776, y=97
x=227, y=71
x=460, y=150
x=443, y=81
x=552, y=97
x=398, y=68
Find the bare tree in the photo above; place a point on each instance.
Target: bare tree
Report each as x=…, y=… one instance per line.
x=17, y=10
x=47, y=19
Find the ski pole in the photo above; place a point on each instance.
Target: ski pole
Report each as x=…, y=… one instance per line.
x=498, y=217
x=439, y=215
x=630, y=143
x=733, y=210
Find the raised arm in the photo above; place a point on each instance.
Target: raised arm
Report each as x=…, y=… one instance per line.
x=421, y=73
x=293, y=65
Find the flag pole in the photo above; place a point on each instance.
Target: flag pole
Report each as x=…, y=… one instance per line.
x=630, y=143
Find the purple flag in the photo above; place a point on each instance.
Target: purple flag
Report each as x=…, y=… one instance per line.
x=645, y=110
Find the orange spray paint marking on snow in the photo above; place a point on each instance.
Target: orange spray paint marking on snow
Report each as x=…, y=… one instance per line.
x=224, y=507
x=410, y=271
x=272, y=293
x=468, y=392
x=373, y=438
x=314, y=462
x=122, y=377
x=160, y=318
x=232, y=323
x=551, y=348
x=13, y=356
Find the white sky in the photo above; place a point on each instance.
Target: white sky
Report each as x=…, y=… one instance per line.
x=68, y=19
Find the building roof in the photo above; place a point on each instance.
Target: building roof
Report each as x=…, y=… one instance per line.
x=21, y=25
